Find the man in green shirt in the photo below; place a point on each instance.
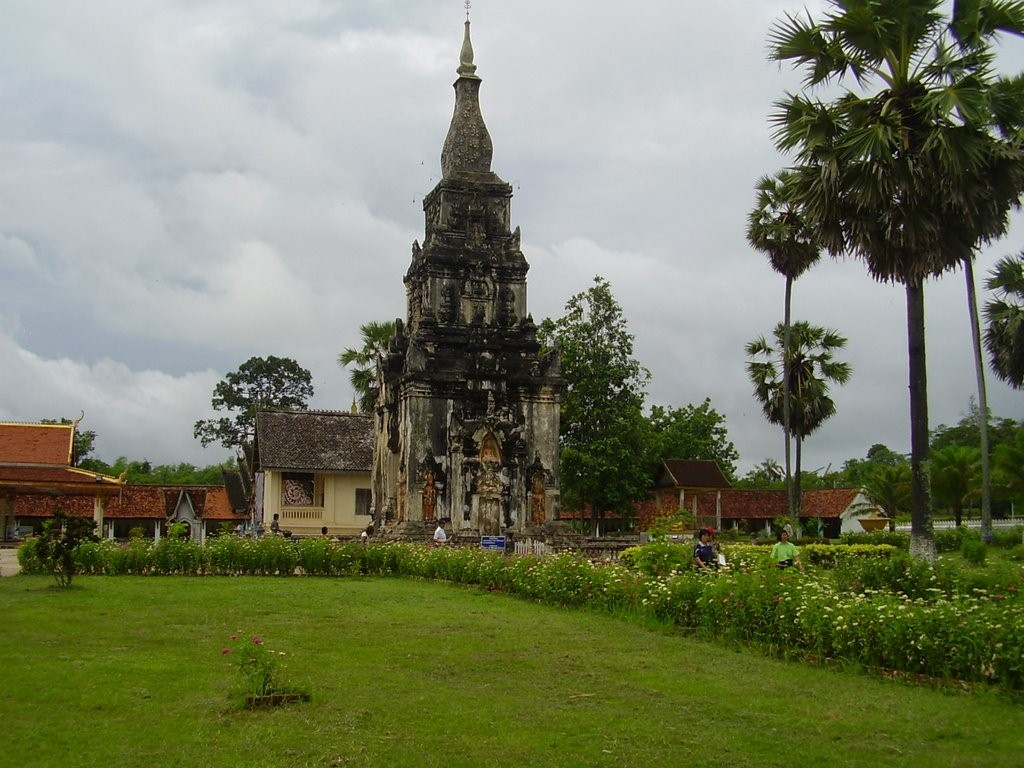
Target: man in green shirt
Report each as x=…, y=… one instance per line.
x=784, y=552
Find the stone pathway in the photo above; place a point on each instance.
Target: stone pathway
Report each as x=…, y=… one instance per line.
x=9, y=561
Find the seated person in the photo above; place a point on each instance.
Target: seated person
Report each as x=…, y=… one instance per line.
x=784, y=553
x=440, y=537
x=704, y=557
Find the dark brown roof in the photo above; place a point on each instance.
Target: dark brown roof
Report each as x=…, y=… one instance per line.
x=314, y=441
x=693, y=473
x=36, y=443
x=235, y=486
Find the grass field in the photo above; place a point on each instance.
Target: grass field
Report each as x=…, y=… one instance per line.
x=128, y=671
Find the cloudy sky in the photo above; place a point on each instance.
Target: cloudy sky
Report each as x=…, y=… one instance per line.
x=185, y=184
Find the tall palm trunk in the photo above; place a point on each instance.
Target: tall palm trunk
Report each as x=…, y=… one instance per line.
x=922, y=542
x=786, y=399
x=979, y=370
x=798, y=492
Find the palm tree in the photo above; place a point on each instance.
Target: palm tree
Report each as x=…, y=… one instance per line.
x=363, y=375
x=979, y=373
x=777, y=228
x=888, y=488
x=955, y=476
x=912, y=177
x=811, y=367
x=1004, y=319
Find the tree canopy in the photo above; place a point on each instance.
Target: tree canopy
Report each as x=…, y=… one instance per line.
x=801, y=371
x=1004, y=318
x=691, y=432
x=259, y=383
x=777, y=227
x=603, y=430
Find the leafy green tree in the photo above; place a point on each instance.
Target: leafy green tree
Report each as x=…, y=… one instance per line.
x=777, y=228
x=812, y=368
x=259, y=382
x=1004, y=318
x=363, y=376
x=855, y=472
x=912, y=176
x=604, y=434
x=966, y=433
x=692, y=432
x=767, y=474
x=1009, y=465
x=56, y=547
x=955, y=476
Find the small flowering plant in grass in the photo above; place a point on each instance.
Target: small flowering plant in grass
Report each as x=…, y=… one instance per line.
x=258, y=668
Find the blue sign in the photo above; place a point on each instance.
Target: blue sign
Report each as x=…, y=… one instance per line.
x=496, y=543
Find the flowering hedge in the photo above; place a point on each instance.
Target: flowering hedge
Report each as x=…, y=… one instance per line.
x=222, y=556
x=874, y=606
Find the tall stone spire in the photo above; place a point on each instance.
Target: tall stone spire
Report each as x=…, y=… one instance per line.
x=467, y=148
x=468, y=405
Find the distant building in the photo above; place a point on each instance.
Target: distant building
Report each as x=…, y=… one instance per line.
x=468, y=413
x=313, y=470
x=148, y=510
x=37, y=464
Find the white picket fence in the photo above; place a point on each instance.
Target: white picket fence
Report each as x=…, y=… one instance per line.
x=533, y=547
x=944, y=525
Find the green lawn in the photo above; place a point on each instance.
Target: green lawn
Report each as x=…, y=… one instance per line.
x=128, y=671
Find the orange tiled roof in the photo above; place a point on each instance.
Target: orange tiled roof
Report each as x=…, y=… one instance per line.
x=736, y=504
x=148, y=502
x=36, y=443
x=767, y=505
x=23, y=479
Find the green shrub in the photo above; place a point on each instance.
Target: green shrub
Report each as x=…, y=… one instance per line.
x=1008, y=538
x=178, y=556
x=92, y=557
x=831, y=555
x=314, y=557
x=899, y=574
x=658, y=559
x=28, y=557
x=1017, y=553
x=952, y=539
x=896, y=539
x=277, y=556
x=61, y=537
x=973, y=550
